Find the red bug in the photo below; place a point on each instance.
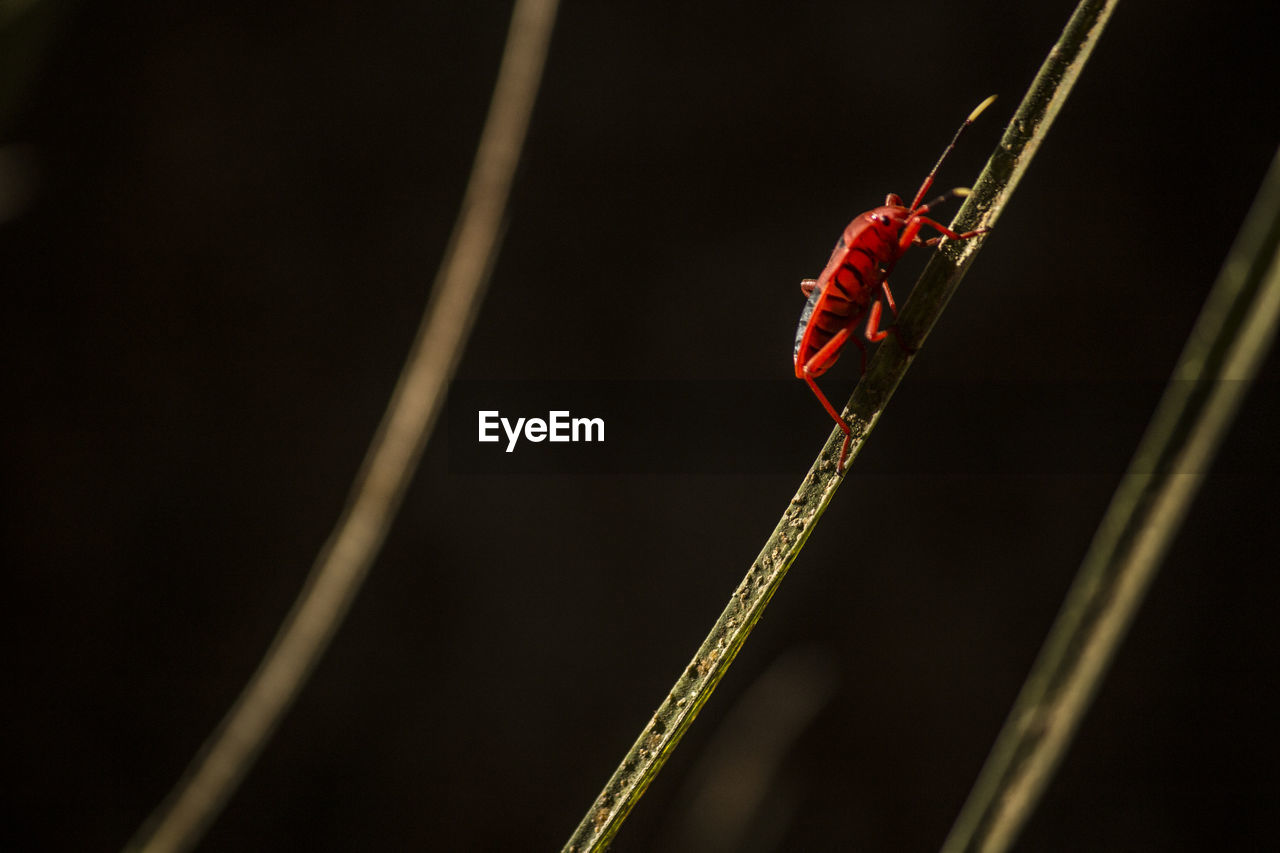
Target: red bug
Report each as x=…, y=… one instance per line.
x=860, y=265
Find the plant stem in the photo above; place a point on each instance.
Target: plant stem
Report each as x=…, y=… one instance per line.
x=344, y=561
x=1236, y=328
x=938, y=282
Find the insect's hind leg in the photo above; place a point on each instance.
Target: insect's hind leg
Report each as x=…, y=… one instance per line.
x=841, y=422
x=818, y=363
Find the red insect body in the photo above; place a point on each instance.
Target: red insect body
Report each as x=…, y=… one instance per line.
x=858, y=271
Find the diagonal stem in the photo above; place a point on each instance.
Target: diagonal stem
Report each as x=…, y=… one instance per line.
x=940, y=278
x=1236, y=328
x=339, y=570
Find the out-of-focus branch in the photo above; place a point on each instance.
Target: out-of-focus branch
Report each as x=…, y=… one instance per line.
x=1220, y=361
x=181, y=820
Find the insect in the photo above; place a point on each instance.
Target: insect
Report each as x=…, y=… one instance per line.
x=848, y=288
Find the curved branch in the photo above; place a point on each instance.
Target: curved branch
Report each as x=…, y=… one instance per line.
x=344, y=561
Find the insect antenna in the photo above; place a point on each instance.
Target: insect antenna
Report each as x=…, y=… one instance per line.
x=958, y=192
x=928, y=181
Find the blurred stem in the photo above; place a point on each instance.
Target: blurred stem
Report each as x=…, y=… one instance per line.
x=1217, y=367
x=940, y=278
x=375, y=497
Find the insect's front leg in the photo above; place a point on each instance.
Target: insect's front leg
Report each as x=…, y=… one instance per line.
x=944, y=230
x=910, y=234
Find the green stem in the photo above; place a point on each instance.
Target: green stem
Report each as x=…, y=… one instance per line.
x=1221, y=359
x=938, y=282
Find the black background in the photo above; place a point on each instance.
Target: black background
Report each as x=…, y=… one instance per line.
x=238, y=211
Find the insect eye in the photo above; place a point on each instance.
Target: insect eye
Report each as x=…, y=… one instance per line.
x=884, y=219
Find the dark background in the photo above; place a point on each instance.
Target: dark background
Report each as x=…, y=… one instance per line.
x=236, y=213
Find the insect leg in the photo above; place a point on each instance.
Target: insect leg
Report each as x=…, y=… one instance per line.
x=888, y=295
x=938, y=226
x=875, y=309
x=818, y=363
x=848, y=433
x=910, y=234
x=874, y=333
x=822, y=359
x=807, y=286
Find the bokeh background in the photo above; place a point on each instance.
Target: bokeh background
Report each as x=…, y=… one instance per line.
x=224, y=222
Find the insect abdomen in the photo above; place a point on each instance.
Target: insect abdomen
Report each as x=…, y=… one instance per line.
x=841, y=296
